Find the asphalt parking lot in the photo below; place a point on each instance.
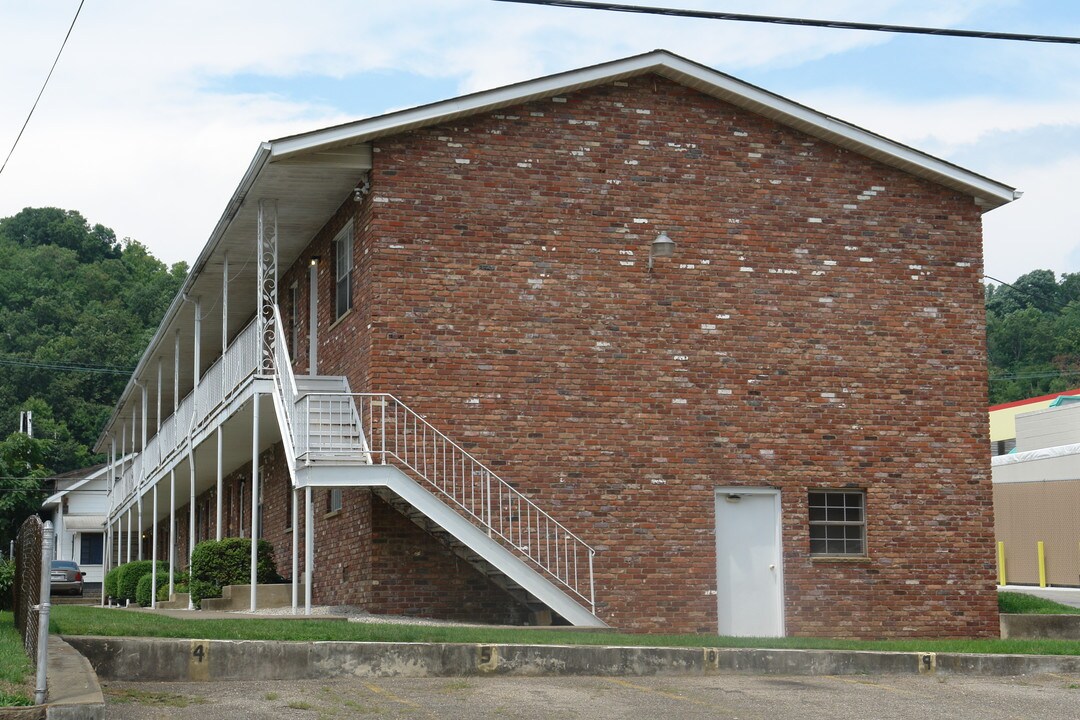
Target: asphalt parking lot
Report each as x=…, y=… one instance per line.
x=1041, y=697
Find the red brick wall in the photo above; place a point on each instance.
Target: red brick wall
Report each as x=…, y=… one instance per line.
x=417, y=575
x=820, y=325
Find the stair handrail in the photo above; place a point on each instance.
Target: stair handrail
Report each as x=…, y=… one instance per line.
x=378, y=445
x=285, y=393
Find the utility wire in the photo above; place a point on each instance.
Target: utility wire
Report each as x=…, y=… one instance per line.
x=17, y=362
x=1029, y=295
x=1035, y=376
x=43, y=86
x=803, y=22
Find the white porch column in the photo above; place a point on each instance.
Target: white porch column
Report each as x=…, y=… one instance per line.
x=106, y=563
x=158, y=430
x=220, y=480
x=191, y=514
x=172, y=531
x=225, y=305
x=123, y=449
x=142, y=465
x=313, y=317
x=198, y=340
x=176, y=376
x=153, y=554
x=267, y=291
x=254, y=496
x=128, y=543
x=295, y=546
x=309, y=548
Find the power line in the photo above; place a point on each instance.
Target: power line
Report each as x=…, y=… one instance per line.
x=1035, y=376
x=1031, y=296
x=43, y=86
x=74, y=367
x=803, y=22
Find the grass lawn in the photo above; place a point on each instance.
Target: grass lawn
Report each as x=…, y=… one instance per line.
x=1022, y=603
x=82, y=620
x=16, y=672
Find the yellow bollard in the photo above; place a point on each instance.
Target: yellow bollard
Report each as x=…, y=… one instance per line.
x=1042, y=565
x=1001, y=564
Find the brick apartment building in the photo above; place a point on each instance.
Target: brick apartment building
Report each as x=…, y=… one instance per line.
x=731, y=347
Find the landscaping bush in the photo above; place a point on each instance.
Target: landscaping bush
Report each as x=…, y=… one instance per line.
x=180, y=584
x=216, y=563
x=129, y=574
x=142, y=590
x=7, y=584
x=109, y=586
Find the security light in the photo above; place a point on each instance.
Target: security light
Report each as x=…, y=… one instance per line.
x=662, y=246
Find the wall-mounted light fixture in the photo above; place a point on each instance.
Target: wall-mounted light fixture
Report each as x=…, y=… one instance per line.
x=315, y=260
x=662, y=246
x=362, y=189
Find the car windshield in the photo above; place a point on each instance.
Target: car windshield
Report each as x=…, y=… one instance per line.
x=64, y=565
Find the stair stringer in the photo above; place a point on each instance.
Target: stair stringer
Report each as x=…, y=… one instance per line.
x=488, y=549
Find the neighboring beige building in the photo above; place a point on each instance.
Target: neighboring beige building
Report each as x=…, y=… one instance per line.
x=1037, y=494
x=1003, y=418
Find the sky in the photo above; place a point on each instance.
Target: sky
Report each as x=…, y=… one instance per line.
x=156, y=109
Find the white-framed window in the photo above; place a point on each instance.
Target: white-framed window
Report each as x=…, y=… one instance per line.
x=838, y=522
x=343, y=265
x=334, y=500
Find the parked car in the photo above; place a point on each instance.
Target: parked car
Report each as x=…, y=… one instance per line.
x=66, y=577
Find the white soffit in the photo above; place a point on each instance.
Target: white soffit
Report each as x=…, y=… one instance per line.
x=989, y=193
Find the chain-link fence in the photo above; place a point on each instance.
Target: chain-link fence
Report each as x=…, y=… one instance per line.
x=28, y=582
x=33, y=549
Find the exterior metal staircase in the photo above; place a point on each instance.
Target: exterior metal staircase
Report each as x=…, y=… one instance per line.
x=336, y=438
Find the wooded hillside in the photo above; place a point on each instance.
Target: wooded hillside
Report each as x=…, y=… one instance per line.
x=1033, y=335
x=77, y=309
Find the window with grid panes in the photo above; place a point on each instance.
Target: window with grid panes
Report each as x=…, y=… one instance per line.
x=343, y=271
x=838, y=522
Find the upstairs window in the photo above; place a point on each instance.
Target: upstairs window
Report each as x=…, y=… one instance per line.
x=838, y=522
x=343, y=265
x=334, y=500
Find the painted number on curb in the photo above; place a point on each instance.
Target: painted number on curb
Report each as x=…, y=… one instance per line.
x=199, y=661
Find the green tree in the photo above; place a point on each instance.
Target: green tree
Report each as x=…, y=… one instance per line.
x=22, y=473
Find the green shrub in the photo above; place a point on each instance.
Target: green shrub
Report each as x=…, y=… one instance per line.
x=7, y=584
x=180, y=584
x=129, y=574
x=142, y=591
x=217, y=563
x=109, y=586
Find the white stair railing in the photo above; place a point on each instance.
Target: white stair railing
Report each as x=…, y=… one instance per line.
x=379, y=428
x=285, y=394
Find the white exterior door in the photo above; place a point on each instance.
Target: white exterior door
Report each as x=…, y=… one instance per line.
x=749, y=571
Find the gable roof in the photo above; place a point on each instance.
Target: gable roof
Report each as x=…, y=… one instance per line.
x=314, y=172
x=704, y=79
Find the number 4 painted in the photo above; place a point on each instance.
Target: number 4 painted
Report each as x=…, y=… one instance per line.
x=198, y=653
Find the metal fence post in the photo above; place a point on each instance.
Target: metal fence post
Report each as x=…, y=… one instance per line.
x=43, y=612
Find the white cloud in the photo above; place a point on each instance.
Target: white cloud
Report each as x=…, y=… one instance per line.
x=136, y=132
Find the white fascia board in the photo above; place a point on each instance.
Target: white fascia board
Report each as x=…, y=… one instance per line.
x=676, y=68
x=237, y=200
x=438, y=112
